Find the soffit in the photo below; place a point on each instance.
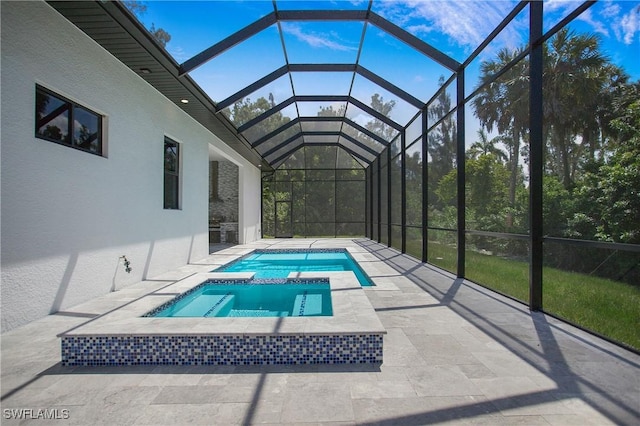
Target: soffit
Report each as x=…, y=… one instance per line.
x=112, y=26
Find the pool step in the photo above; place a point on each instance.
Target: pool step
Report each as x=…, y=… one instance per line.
x=222, y=306
x=307, y=304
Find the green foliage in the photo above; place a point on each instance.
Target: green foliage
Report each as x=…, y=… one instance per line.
x=413, y=166
x=447, y=188
x=591, y=181
x=486, y=187
x=557, y=206
x=376, y=126
x=486, y=146
x=245, y=110
x=442, y=140
x=160, y=35
x=609, y=193
x=139, y=8
x=574, y=76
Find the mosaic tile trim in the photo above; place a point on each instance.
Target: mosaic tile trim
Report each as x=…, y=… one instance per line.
x=218, y=303
x=154, y=311
x=221, y=350
x=284, y=281
x=302, y=304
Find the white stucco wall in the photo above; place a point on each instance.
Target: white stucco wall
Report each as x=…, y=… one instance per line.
x=250, y=199
x=67, y=216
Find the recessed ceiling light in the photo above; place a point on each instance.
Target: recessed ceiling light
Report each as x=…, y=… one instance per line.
x=184, y=101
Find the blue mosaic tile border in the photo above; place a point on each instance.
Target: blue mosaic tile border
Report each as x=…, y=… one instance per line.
x=218, y=303
x=303, y=304
x=221, y=350
x=154, y=311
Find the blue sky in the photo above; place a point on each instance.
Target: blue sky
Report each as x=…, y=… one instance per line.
x=454, y=27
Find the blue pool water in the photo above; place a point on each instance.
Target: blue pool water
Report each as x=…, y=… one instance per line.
x=279, y=264
x=252, y=300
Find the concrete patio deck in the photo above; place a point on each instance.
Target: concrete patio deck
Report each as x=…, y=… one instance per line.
x=454, y=353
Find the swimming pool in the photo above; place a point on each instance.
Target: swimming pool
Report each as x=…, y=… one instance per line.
x=251, y=299
x=269, y=264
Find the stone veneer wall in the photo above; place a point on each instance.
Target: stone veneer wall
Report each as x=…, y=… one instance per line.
x=224, y=207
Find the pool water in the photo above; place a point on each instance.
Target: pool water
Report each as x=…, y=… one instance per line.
x=279, y=264
x=253, y=300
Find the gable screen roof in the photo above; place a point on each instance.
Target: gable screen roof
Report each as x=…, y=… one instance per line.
x=270, y=83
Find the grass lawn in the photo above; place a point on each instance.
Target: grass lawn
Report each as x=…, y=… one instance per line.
x=607, y=307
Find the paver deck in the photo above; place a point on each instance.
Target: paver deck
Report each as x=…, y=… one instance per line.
x=454, y=353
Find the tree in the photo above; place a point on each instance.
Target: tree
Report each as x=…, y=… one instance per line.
x=54, y=132
x=245, y=110
x=574, y=75
x=330, y=112
x=160, y=35
x=609, y=195
x=413, y=166
x=86, y=139
x=442, y=141
x=486, y=146
x=379, y=127
x=139, y=8
x=503, y=103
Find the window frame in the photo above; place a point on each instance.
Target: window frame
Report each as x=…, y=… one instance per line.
x=172, y=177
x=71, y=107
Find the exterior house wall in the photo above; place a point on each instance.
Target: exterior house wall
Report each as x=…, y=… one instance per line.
x=250, y=204
x=68, y=216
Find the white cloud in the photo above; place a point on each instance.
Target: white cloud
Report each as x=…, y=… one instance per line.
x=624, y=26
x=630, y=25
x=559, y=5
x=610, y=10
x=465, y=25
x=597, y=26
x=316, y=40
x=179, y=54
x=419, y=29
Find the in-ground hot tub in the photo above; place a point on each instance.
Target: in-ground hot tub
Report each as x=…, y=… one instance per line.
x=353, y=334
x=256, y=298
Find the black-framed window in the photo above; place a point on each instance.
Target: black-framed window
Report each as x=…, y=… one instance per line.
x=65, y=122
x=171, y=174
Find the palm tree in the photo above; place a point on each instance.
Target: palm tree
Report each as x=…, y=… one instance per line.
x=442, y=140
x=504, y=103
x=486, y=146
x=574, y=76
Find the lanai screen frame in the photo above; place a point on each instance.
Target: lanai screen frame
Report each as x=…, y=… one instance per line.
x=275, y=18
x=535, y=237
x=378, y=175
x=375, y=206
